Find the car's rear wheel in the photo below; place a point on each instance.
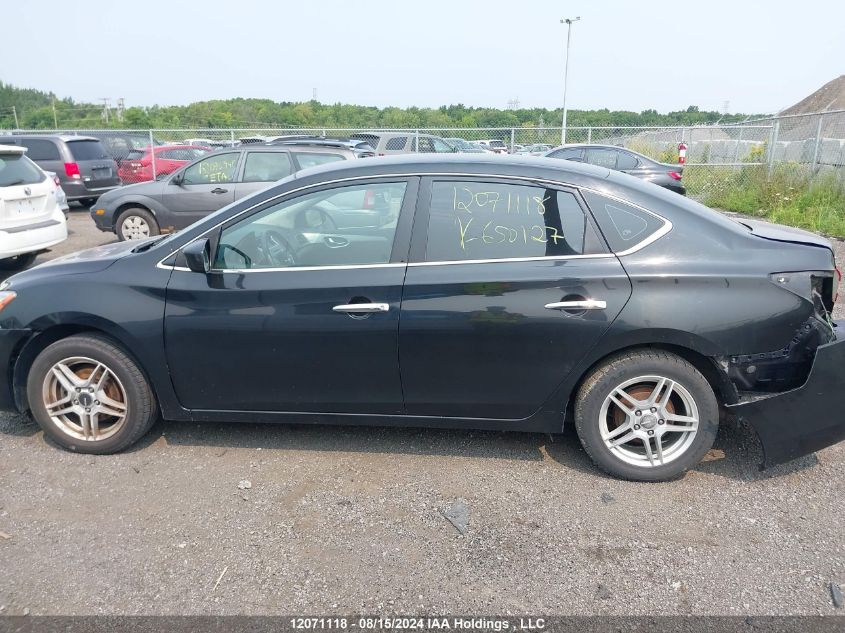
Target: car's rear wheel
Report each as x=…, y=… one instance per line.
x=136, y=224
x=646, y=416
x=89, y=396
x=18, y=262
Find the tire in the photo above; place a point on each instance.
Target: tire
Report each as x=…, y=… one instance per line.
x=135, y=224
x=122, y=389
x=18, y=262
x=88, y=202
x=623, y=442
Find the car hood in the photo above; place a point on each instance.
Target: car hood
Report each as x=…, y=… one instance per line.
x=91, y=260
x=150, y=188
x=780, y=233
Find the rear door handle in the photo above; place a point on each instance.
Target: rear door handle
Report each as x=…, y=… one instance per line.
x=584, y=304
x=219, y=190
x=362, y=307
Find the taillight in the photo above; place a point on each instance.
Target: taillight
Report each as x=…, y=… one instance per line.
x=675, y=175
x=369, y=199
x=72, y=171
x=57, y=181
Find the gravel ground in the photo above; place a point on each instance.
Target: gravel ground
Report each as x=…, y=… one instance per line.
x=251, y=519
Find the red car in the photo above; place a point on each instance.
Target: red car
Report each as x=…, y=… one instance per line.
x=138, y=164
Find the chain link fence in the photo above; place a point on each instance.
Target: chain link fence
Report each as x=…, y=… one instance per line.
x=717, y=156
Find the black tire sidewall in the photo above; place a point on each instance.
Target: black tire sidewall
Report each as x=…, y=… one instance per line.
x=140, y=409
x=148, y=217
x=18, y=262
x=617, y=371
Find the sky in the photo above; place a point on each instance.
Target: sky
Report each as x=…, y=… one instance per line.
x=758, y=56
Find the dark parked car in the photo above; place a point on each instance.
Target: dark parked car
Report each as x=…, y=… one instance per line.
x=495, y=293
x=175, y=201
x=85, y=169
x=624, y=160
x=361, y=149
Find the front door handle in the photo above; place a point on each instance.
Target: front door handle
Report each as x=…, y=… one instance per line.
x=584, y=304
x=219, y=190
x=362, y=307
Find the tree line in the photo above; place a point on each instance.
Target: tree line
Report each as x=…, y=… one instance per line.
x=36, y=109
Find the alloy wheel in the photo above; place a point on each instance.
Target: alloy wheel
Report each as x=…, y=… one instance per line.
x=85, y=399
x=648, y=421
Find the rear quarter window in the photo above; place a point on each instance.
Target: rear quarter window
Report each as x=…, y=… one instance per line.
x=87, y=150
x=624, y=226
x=312, y=159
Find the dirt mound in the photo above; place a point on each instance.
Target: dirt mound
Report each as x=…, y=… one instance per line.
x=830, y=96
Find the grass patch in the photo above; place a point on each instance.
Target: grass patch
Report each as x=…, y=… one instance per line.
x=790, y=194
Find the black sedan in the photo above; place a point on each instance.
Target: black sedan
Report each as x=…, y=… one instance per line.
x=494, y=293
x=624, y=160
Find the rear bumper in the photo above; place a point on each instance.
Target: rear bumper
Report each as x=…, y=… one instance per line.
x=76, y=190
x=35, y=237
x=807, y=419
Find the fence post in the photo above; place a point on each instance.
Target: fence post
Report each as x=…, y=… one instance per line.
x=818, y=141
x=153, y=155
x=589, y=135
x=774, y=140
x=513, y=138
x=232, y=137
x=416, y=140
x=738, y=141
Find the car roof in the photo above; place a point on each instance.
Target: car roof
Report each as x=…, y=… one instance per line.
x=60, y=137
x=601, y=146
x=478, y=164
x=12, y=149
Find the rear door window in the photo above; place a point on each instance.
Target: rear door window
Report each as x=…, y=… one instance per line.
x=396, y=144
x=40, y=149
x=87, y=150
x=626, y=161
x=624, y=226
x=266, y=166
x=471, y=220
x=602, y=157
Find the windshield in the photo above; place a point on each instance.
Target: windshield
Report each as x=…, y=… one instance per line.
x=17, y=169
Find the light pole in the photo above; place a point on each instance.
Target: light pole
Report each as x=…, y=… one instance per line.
x=568, y=22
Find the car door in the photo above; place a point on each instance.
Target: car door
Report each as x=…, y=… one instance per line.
x=202, y=187
x=261, y=168
x=508, y=287
x=601, y=157
x=297, y=314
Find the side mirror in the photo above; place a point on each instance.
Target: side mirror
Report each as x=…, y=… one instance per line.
x=177, y=179
x=198, y=255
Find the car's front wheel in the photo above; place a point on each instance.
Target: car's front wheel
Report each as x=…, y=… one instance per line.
x=136, y=224
x=89, y=396
x=646, y=416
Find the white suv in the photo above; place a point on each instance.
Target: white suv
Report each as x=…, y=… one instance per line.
x=31, y=218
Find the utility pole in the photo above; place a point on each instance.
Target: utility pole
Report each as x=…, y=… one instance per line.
x=569, y=22
x=55, y=118
x=15, y=113
x=105, y=115
x=313, y=94
x=120, y=109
